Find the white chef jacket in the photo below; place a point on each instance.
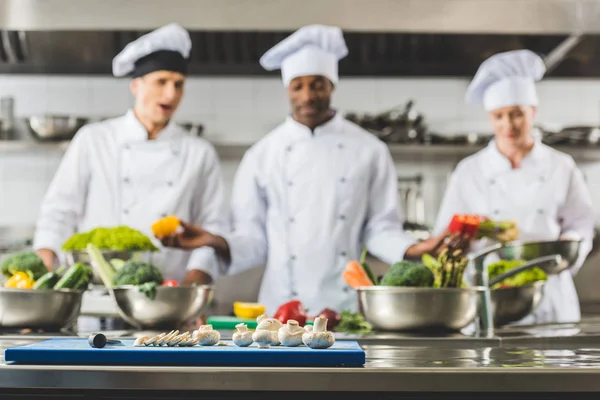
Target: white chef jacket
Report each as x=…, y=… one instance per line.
x=305, y=203
x=113, y=175
x=546, y=196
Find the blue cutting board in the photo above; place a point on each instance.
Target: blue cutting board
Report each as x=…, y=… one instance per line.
x=77, y=351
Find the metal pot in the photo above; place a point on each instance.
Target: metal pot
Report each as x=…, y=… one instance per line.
x=515, y=303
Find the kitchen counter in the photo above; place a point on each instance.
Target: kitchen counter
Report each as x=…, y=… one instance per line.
x=554, y=358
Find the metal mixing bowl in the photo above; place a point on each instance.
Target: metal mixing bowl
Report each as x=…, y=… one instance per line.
x=418, y=308
x=83, y=257
x=567, y=249
x=55, y=127
x=172, y=307
x=51, y=310
x=514, y=303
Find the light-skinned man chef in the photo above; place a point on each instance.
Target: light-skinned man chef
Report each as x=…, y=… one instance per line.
x=309, y=195
x=517, y=177
x=134, y=169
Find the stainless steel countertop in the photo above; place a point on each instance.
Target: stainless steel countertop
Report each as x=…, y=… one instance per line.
x=560, y=358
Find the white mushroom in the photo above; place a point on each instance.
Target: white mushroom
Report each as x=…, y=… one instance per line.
x=319, y=337
x=266, y=331
x=141, y=341
x=290, y=334
x=206, y=336
x=242, y=337
x=308, y=328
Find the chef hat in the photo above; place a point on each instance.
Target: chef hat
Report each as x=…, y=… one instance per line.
x=311, y=50
x=166, y=48
x=507, y=79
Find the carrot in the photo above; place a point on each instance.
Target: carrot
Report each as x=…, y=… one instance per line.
x=355, y=275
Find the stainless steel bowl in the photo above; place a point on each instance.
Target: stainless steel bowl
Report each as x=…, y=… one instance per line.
x=567, y=249
x=51, y=310
x=55, y=127
x=83, y=257
x=514, y=303
x=418, y=309
x=172, y=307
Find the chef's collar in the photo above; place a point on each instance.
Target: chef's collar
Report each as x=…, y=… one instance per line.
x=329, y=126
x=136, y=132
x=497, y=162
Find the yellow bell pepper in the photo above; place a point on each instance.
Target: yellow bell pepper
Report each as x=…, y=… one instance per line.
x=20, y=280
x=247, y=310
x=165, y=226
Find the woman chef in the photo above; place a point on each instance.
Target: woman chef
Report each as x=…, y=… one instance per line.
x=516, y=177
x=134, y=169
x=317, y=188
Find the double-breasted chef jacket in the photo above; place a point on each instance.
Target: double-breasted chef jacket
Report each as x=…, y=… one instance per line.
x=113, y=175
x=546, y=196
x=305, y=203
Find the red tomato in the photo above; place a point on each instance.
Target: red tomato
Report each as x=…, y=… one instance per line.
x=170, y=282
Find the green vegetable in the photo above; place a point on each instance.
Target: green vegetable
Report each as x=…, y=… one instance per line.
x=407, y=273
x=105, y=270
x=149, y=289
x=136, y=272
x=521, y=279
x=366, y=267
x=353, y=323
x=120, y=238
x=77, y=277
x=26, y=261
x=117, y=263
x=48, y=280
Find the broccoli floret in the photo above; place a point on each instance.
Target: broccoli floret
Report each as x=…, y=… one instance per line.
x=121, y=238
x=24, y=261
x=406, y=273
x=521, y=279
x=135, y=272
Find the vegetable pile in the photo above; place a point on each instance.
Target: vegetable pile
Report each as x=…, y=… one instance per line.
x=27, y=271
x=132, y=272
x=119, y=238
x=478, y=228
x=445, y=271
x=521, y=279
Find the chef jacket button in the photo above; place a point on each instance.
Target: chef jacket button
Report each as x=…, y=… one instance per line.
x=125, y=211
x=127, y=147
x=342, y=217
x=346, y=289
x=342, y=179
x=496, y=212
x=540, y=211
x=292, y=257
x=290, y=183
x=163, y=215
x=294, y=294
x=492, y=181
x=289, y=148
x=291, y=219
x=126, y=180
x=542, y=179
x=170, y=183
x=340, y=146
x=343, y=254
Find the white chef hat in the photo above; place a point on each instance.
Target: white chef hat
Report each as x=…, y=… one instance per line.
x=166, y=48
x=507, y=79
x=311, y=50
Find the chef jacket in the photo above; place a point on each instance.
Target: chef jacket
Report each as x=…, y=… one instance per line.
x=113, y=175
x=548, y=199
x=305, y=203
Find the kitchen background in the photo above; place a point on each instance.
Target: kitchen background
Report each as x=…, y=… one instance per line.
x=65, y=73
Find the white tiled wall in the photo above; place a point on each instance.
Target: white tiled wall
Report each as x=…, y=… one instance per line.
x=242, y=110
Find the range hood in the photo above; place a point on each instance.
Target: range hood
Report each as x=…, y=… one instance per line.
x=385, y=37
x=553, y=17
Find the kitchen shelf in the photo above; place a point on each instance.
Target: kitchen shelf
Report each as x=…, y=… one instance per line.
x=400, y=152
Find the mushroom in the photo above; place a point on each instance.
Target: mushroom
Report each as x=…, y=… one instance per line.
x=266, y=331
x=242, y=337
x=290, y=334
x=206, y=336
x=318, y=337
x=141, y=341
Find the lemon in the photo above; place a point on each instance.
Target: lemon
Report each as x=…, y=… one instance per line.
x=248, y=310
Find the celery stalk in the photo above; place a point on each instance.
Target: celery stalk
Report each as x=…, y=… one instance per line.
x=105, y=270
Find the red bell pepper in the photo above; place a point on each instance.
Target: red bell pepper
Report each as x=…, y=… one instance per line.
x=466, y=225
x=291, y=310
x=170, y=282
